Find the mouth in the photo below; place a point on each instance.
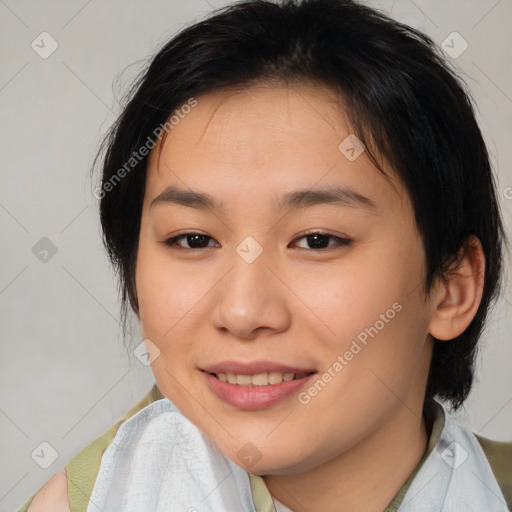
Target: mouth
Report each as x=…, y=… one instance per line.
x=259, y=379
x=255, y=386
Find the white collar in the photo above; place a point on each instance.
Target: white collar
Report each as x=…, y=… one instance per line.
x=160, y=461
x=455, y=476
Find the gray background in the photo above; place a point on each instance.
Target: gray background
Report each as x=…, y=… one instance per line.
x=65, y=375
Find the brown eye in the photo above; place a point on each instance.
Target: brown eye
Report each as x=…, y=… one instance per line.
x=319, y=241
x=194, y=241
x=315, y=241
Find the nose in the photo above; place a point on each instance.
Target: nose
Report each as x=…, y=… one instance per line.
x=251, y=299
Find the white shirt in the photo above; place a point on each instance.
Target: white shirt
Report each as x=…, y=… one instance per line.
x=159, y=461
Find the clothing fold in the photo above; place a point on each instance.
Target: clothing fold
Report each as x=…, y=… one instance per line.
x=159, y=462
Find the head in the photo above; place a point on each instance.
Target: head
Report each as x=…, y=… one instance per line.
x=339, y=220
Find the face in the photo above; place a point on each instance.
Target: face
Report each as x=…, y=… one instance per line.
x=303, y=262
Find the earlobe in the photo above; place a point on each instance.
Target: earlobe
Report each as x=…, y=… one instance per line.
x=457, y=299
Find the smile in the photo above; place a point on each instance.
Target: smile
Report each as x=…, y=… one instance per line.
x=251, y=392
x=259, y=379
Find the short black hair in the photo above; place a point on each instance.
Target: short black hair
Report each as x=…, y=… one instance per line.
x=404, y=102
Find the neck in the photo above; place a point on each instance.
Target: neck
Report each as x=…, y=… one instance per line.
x=366, y=477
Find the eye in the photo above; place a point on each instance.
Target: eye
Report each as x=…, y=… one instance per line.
x=317, y=240
x=320, y=241
x=195, y=241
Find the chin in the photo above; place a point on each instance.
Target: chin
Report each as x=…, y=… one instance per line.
x=265, y=461
x=277, y=467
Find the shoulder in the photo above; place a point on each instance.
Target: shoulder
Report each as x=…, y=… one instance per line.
x=52, y=496
x=73, y=486
x=499, y=455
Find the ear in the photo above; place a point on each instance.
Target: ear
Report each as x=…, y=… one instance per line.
x=455, y=301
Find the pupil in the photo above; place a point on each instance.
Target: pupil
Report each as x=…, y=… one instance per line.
x=316, y=243
x=192, y=238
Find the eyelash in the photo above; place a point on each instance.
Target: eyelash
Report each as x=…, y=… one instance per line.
x=172, y=242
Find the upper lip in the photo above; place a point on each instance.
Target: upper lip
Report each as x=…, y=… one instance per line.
x=254, y=368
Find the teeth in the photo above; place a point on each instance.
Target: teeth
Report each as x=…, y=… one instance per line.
x=243, y=380
x=260, y=379
x=275, y=377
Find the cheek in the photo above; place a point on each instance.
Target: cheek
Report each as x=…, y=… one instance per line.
x=153, y=297
x=347, y=299
x=166, y=301
x=163, y=294
x=369, y=311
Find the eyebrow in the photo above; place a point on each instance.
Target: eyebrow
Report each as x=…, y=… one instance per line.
x=298, y=199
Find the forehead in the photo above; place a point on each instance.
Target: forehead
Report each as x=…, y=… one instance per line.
x=261, y=119
x=264, y=141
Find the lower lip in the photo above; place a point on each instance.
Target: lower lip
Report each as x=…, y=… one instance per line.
x=253, y=398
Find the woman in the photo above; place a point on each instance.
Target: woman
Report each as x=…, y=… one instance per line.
x=301, y=210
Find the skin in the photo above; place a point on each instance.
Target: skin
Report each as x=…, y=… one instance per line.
x=293, y=305
x=53, y=496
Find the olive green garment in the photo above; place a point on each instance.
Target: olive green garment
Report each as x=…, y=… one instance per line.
x=83, y=468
